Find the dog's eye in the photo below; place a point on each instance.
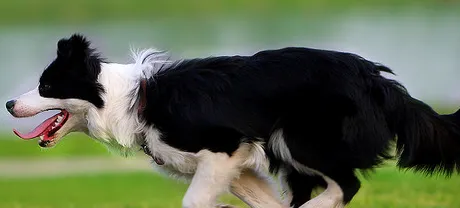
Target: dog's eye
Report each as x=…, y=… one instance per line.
x=44, y=88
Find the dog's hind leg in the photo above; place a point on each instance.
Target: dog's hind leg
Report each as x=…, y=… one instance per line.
x=302, y=186
x=256, y=190
x=341, y=187
x=332, y=197
x=213, y=176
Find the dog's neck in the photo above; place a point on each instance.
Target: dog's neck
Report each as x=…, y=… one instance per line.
x=117, y=124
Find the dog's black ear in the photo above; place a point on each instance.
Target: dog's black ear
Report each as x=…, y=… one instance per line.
x=79, y=58
x=76, y=47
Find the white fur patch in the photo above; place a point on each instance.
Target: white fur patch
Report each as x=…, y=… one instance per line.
x=279, y=147
x=117, y=124
x=150, y=60
x=257, y=159
x=174, y=159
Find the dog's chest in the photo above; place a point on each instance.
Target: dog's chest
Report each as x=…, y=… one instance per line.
x=173, y=161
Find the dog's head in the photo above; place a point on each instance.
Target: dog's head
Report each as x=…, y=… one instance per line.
x=69, y=84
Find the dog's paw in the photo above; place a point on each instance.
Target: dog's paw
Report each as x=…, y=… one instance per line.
x=225, y=206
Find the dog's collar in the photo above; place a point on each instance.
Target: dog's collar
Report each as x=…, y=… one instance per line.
x=140, y=110
x=142, y=96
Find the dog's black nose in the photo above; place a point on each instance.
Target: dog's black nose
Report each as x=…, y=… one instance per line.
x=10, y=106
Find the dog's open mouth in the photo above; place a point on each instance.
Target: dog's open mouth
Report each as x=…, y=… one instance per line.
x=46, y=129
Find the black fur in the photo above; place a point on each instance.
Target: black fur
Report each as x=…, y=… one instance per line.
x=337, y=112
x=73, y=74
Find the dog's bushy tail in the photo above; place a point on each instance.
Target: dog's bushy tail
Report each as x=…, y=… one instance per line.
x=426, y=141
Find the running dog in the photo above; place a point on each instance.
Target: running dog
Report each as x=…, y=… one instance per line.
x=313, y=117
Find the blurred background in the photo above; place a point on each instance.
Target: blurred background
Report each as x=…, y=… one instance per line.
x=418, y=39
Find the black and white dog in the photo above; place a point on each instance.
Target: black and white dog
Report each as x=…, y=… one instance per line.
x=312, y=117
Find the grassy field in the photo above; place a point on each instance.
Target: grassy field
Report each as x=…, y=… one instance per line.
x=88, y=11
x=386, y=188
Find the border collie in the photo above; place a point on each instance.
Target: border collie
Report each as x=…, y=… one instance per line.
x=313, y=117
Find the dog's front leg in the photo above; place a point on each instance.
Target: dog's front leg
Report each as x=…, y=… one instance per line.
x=256, y=190
x=213, y=176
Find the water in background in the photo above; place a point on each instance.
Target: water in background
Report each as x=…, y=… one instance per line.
x=423, y=49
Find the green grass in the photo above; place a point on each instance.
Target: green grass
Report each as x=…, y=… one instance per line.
x=386, y=188
x=88, y=11
x=392, y=188
x=127, y=190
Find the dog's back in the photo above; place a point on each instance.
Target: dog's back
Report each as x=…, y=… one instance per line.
x=318, y=112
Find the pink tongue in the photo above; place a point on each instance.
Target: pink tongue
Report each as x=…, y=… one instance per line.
x=38, y=130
